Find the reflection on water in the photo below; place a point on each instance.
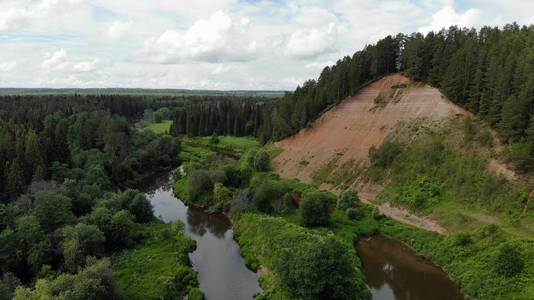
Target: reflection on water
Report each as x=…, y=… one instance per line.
x=394, y=272
x=222, y=273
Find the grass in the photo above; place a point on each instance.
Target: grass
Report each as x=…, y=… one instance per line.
x=442, y=170
x=229, y=143
x=263, y=238
x=472, y=264
x=159, y=267
x=161, y=128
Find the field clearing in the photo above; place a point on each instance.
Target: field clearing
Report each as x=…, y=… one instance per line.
x=161, y=128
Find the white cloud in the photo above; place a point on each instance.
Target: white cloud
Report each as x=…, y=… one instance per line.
x=217, y=39
x=7, y=66
x=54, y=61
x=312, y=42
x=85, y=66
x=13, y=19
x=447, y=16
x=224, y=44
x=118, y=30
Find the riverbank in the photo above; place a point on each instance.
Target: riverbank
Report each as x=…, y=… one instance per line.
x=244, y=189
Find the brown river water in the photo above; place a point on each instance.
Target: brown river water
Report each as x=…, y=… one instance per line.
x=392, y=270
x=222, y=273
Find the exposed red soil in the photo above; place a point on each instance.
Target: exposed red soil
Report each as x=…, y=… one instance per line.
x=350, y=129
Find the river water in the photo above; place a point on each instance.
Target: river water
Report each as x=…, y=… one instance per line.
x=222, y=273
x=394, y=272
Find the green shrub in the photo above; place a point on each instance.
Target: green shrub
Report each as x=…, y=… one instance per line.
x=198, y=182
x=463, y=239
x=195, y=294
x=262, y=161
x=315, y=210
x=319, y=270
x=508, y=262
x=352, y=213
x=384, y=156
x=348, y=198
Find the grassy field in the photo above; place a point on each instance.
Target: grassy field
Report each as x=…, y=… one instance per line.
x=159, y=267
x=161, y=128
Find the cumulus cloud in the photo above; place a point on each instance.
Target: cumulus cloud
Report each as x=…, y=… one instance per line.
x=7, y=66
x=310, y=43
x=85, y=66
x=25, y=14
x=118, y=30
x=56, y=60
x=13, y=19
x=447, y=16
x=216, y=39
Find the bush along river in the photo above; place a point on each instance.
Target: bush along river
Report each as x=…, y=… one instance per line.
x=394, y=272
x=222, y=273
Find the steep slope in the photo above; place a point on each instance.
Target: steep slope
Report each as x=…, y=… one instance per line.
x=349, y=130
x=339, y=141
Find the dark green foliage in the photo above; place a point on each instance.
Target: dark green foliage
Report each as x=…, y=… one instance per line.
x=307, y=264
x=214, y=138
x=508, y=262
x=352, y=213
x=315, y=209
x=93, y=282
x=521, y=155
x=384, y=156
x=198, y=182
x=261, y=161
x=266, y=195
x=348, y=198
x=463, y=239
x=141, y=209
x=322, y=270
x=79, y=242
x=53, y=210
x=122, y=228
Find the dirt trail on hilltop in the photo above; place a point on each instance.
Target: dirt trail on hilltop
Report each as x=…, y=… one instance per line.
x=350, y=129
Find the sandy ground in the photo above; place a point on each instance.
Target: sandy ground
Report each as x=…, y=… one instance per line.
x=350, y=129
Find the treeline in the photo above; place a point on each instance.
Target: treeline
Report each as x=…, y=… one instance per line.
x=235, y=116
x=61, y=209
x=490, y=72
x=126, y=155
x=274, y=119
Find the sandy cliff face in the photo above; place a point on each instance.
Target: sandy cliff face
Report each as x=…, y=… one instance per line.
x=349, y=130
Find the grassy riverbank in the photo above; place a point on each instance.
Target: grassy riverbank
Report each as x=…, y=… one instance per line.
x=159, y=267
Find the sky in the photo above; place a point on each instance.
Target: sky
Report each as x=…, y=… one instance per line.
x=212, y=44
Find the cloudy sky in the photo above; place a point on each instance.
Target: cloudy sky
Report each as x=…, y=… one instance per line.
x=211, y=44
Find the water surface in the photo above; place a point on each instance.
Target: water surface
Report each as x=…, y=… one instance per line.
x=394, y=272
x=222, y=273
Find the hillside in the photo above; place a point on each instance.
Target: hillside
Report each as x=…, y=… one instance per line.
x=334, y=151
x=349, y=130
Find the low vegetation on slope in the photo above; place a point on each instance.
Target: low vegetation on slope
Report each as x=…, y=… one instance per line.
x=159, y=267
x=441, y=169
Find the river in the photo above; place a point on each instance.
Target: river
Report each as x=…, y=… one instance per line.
x=222, y=273
x=394, y=272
